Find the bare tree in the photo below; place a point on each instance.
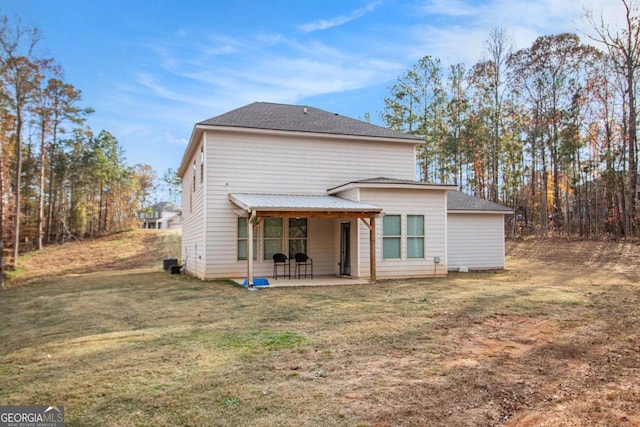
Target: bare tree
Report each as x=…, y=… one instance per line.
x=623, y=46
x=498, y=46
x=20, y=74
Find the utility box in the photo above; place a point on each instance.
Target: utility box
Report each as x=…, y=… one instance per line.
x=168, y=263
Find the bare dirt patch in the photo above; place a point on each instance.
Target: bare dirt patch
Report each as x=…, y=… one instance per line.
x=552, y=341
x=509, y=335
x=132, y=250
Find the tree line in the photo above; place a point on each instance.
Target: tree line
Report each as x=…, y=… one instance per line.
x=58, y=179
x=549, y=129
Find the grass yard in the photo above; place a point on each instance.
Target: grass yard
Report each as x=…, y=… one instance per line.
x=552, y=341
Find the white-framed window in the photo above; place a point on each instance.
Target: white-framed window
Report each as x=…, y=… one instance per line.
x=391, y=236
x=297, y=236
x=273, y=237
x=243, y=238
x=403, y=237
x=201, y=163
x=193, y=178
x=415, y=236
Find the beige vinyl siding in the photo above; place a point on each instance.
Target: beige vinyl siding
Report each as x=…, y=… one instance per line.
x=321, y=231
x=320, y=246
x=403, y=202
x=476, y=241
x=303, y=165
x=357, y=268
x=353, y=194
x=193, y=218
x=254, y=163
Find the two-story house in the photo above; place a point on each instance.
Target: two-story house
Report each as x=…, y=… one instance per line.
x=161, y=215
x=271, y=178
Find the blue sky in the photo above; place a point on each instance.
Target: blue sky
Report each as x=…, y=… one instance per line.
x=152, y=69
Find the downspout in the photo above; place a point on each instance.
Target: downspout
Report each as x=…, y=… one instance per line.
x=251, y=220
x=446, y=238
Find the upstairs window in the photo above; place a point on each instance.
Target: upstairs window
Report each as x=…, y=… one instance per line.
x=201, y=164
x=193, y=178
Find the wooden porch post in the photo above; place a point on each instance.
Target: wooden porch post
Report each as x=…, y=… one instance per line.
x=371, y=225
x=372, y=249
x=250, y=251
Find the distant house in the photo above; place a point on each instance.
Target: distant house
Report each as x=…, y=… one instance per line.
x=161, y=215
x=271, y=178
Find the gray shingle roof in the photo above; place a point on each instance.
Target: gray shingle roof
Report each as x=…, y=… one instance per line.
x=297, y=118
x=457, y=201
x=383, y=180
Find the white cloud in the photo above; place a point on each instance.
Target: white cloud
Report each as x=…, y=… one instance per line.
x=448, y=7
x=197, y=76
x=451, y=45
x=264, y=68
x=457, y=30
x=324, y=24
x=175, y=140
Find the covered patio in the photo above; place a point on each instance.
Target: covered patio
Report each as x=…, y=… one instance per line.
x=308, y=281
x=256, y=207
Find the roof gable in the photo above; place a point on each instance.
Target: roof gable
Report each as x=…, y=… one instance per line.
x=296, y=118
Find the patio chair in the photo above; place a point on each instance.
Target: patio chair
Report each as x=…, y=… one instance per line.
x=281, y=260
x=302, y=260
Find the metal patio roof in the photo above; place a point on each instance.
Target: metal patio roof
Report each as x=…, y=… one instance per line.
x=296, y=202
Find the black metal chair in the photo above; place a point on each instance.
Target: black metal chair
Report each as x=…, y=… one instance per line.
x=281, y=260
x=302, y=260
